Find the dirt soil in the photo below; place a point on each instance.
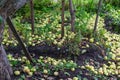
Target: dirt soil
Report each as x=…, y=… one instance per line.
x=94, y=54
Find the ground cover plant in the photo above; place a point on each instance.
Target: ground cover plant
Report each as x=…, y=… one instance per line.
x=79, y=55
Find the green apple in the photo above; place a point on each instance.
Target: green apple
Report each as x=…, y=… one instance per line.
x=92, y=40
x=87, y=46
x=17, y=73
x=82, y=67
x=33, y=69
x=30, y=73
x=105, y=58
x=75, y=78
x=56, y=73
x=72, y=69
x=45, y=71
x=26, y=69
x=41, y=57
x=54, y=63
x=100, y=71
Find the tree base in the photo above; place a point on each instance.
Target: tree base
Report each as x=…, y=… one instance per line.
x=5, y=68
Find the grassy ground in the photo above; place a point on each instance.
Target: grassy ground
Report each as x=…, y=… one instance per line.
x=78, y=56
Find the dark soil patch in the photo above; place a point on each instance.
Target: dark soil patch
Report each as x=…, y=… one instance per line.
x=94, y=54
x=111, y=26
x=43, y=49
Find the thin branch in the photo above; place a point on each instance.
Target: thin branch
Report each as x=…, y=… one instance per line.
x=18, y=38
x=97, y=16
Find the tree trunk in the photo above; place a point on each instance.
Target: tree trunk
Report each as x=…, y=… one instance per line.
x=72, y=13
x=62, y=17
x=11, y=6
x=7, y=8
x=32, y=15
x=5, y=69
x=97, y=16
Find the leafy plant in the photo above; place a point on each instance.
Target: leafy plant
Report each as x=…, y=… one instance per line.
x=113, y=18
x=113, y=2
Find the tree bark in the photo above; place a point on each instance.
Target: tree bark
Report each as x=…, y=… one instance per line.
x=7, y=8
x=32, y=15
x=5, y=69
x=97, y=16
x=72, y=13
x=11, y=6
x=62, y=17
